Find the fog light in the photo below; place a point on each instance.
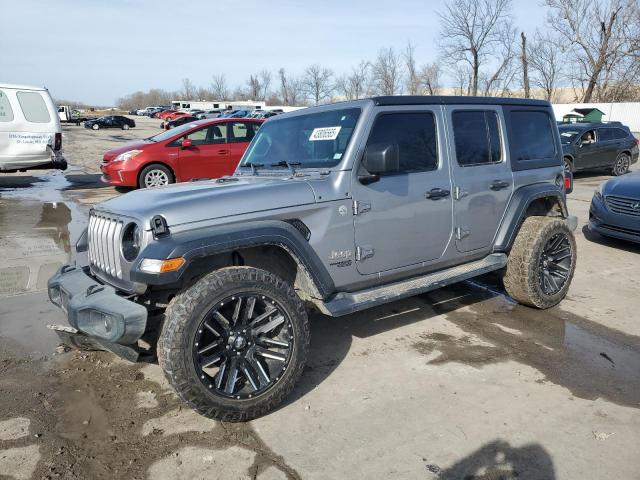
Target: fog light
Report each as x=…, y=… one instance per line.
x=101, y=323
x=151, y=265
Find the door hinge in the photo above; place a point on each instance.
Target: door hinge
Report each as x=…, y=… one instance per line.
x=458, y=193
x=360, y=207
x=363, y=252
x=462, y=232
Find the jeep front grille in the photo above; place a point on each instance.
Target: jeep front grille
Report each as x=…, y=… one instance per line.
x=623, y=205
x=104, y=243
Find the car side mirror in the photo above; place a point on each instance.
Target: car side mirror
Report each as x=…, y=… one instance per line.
x=381, y=158
x=186, y=143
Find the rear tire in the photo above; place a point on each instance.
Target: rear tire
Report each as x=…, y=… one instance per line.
x=95, y=126
x=622, y=165
x=234, y=380
x=568, y=165
x=125, y=127
x=541, y=262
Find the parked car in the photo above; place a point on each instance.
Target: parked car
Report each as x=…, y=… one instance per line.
x=209, y=114
x=110, y=121
x=30, y=132
x=199, y=149
x=590, y=146
x=195, y=113
x=177, y=122
x=166, y=113
x=133, y=112
x=152, y=111
x=174, y=115
x=141, y=112
x=615, y=208
x=342, y=207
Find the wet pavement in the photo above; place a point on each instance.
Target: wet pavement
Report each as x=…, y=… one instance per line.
x=458, y=383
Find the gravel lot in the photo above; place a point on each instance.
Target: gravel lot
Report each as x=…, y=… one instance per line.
x=460, y=383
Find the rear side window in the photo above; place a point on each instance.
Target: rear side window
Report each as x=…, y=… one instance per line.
x=33, y=107
x=605, y=134
x=6, y=113
x=532, y=135
x=477, y=137
x=415, y=136
x=619, y=134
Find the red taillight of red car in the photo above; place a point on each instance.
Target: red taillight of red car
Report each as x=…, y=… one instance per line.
x=57, y=143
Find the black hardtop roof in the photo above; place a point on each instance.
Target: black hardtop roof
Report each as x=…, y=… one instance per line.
x=456, y=100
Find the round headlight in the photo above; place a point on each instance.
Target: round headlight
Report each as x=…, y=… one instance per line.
x=131, y=240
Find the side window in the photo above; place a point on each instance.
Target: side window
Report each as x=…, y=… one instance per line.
x=533, y=135
x=477, y=137
x=618, y=133
x=605, y=134
x=241, y=132
x=198, y=137
x=414, y=134
x=588, y=137
x=33, y=107
x=6, y=113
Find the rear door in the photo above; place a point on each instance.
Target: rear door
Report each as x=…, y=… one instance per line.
x=208, y=155
x=608, y=147
x=482, y=177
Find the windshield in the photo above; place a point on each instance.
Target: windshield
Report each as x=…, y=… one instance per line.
x=315, y=140
x=568, y=136
x=171, y=133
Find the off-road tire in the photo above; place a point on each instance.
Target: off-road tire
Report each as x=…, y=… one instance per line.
x=521, y=279
x=182, y=318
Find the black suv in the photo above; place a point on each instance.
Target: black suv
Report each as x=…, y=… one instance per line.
x=587, y=146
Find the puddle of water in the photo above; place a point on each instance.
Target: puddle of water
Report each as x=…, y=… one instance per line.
x=590, y=359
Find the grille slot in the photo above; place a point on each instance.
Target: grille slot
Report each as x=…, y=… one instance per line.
x=104, y=243
x=623, y=205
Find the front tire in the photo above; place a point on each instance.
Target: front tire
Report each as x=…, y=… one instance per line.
x=622, y=165
x=234, y=344
x=125, y=127
x=155, y=176
x=541, y=262
x=95, y=126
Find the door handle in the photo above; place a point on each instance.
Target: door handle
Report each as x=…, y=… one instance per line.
x=498, y=185
x=436, y=193
x=223, y=152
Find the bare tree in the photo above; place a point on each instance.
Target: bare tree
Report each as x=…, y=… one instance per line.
x=296, y=92
x=429, y=78
x=601, y=35
x=412, y=80
x=386, y=75
x=219, y=89
x=189, y=90
x=317, y=83
x=354, y=85
x=546, y=63
x=284, y=87
x=265, y=83
x=254, y=87
x=525, y=65
x=498, y=81
x=470, y=30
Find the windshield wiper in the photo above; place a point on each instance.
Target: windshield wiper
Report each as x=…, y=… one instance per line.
x=253, y=166
x=289, y=165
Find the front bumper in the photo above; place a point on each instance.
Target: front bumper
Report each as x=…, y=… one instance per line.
x=96, y=309
x=610, y=224
x=114, y=174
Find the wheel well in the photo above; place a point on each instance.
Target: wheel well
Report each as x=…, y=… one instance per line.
x=545, y=207
x=274, y=258
x=570, y=158
x=155, y=163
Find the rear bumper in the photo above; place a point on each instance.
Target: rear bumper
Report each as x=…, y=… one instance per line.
x=96, y=309
x=53, y=160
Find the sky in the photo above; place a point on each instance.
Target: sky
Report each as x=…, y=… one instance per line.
x=96, y=51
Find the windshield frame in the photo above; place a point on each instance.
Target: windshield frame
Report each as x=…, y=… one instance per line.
x=299, y=116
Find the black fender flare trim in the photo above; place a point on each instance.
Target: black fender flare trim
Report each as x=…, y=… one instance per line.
x=209, y=241
x=520, y=201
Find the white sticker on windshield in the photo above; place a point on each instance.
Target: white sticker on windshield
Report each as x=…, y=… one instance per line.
x=324, y=133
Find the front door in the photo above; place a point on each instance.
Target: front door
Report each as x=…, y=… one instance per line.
x=482, y=177
x=404, y=218
x=590, y=150
x=240, y=135
x=208, y=155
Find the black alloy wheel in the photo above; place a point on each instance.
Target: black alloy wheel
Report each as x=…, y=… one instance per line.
x=555, y=264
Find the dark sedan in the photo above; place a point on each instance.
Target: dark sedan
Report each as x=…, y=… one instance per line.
x=591, y=146
x=615, y=208
x=110, y=121
x=177, y=122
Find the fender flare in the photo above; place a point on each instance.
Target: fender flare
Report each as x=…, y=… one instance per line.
x=205, y=242
x=520, y=201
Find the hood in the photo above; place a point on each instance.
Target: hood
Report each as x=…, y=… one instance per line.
x=114, y=152
x=183, y=203
x=625, y=186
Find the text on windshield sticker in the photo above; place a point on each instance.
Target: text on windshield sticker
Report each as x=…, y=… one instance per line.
x=324, y=133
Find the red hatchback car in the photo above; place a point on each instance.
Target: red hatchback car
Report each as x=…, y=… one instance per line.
x=201, y=149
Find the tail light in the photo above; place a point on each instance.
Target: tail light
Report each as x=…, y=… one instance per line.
x=57, y=143
x=568, y=182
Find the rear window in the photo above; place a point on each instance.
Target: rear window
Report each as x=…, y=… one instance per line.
x=619, y=134
x=477, y=137
x=33, y=107
x=6, y=113
x=605, y=134
x=532, y=135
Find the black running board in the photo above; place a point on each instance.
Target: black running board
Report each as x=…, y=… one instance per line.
x=344, y=303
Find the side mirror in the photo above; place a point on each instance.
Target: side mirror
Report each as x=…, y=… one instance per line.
x=186, y=143
x=381, y=158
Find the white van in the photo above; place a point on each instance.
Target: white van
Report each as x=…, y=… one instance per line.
x=30, y=133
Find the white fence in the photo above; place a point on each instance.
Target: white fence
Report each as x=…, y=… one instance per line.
x=628, y=113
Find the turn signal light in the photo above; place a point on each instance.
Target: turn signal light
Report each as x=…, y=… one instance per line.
x=151, y=265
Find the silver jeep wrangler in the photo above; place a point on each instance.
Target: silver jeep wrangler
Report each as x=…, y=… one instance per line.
x=341, y=207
